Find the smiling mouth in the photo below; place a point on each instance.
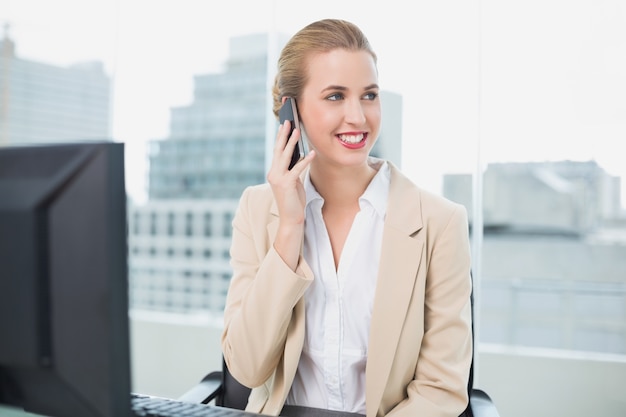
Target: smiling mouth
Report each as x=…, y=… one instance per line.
x=351, y=139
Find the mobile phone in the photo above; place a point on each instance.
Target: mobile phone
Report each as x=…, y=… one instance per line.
x=289, y=111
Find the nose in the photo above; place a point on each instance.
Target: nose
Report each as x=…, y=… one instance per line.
x=354, y=113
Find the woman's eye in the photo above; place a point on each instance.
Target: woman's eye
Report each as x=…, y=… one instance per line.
x=335, y=97
x=370, y=96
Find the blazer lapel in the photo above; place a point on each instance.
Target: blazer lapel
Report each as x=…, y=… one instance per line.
x=401, y=254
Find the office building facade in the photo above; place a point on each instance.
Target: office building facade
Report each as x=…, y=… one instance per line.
x=179, y=255
x=553, y=265
x=573, y=197
x=43, y=103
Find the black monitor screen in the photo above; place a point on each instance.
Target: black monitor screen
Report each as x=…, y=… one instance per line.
x=64, y=337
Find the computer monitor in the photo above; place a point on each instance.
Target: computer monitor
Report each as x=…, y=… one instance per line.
x=64, y=333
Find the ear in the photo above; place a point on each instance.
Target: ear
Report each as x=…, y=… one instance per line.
x=284, y=99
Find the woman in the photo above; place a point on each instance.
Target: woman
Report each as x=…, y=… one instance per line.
x=351, y=286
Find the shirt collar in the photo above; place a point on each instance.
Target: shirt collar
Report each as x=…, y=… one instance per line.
x=309, y=189
x=378, y=190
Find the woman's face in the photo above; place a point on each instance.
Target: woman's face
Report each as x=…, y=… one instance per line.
x=340, y=107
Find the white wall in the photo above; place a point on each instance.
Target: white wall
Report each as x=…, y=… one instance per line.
x=171, y=354
x=540, y=382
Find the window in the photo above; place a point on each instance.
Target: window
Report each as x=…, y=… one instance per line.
x=153, y=223
x=513, y=109
x=208, y=228
x=136, y=223
x=171, y=224
x=227, y=225
x=552, y=108
x=189, y=224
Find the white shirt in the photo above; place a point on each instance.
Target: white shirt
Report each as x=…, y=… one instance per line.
x=331, y=371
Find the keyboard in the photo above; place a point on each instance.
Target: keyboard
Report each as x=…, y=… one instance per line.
x=151, y=406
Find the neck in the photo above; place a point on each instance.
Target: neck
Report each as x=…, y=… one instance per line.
x=341, y=185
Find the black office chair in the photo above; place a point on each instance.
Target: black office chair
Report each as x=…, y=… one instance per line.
x=221, y=387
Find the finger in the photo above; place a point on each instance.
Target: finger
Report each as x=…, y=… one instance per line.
x=301, y=165
x=281, y=141
x=287, y=150
x=282, y=135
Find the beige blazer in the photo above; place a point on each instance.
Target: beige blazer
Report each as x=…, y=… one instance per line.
x=420, y=345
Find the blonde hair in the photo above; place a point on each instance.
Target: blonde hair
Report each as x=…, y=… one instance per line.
x=321, y=36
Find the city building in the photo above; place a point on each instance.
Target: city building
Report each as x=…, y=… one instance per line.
x=553, y=270
x=179, y=254
x=43, y=103
x=561, y=196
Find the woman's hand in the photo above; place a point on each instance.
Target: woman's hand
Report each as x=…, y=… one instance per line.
x=289, y=193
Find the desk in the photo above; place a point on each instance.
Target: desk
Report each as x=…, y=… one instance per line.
x=6, y=411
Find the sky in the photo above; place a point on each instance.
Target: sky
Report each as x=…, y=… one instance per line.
x=482, y=81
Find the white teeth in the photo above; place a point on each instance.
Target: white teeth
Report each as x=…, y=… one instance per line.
x=351, y=138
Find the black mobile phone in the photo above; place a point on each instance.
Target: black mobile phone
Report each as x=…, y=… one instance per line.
x=289, y=111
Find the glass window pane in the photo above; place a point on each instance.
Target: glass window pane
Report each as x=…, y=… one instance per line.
x=552, y=114
x=528, y=94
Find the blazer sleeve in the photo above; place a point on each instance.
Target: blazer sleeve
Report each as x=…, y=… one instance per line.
x=440, y=383
x=262, y=294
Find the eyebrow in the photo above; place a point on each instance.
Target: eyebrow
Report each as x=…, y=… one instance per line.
x=342, y=88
